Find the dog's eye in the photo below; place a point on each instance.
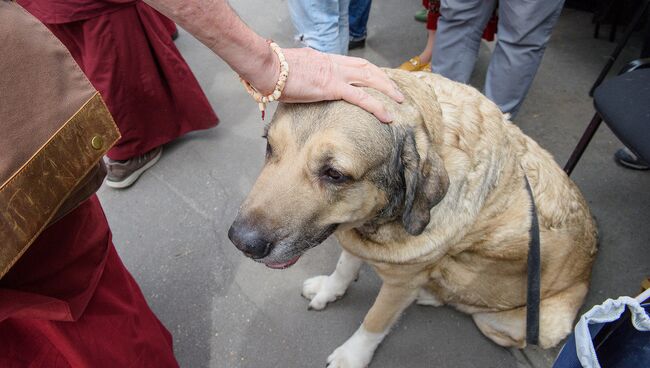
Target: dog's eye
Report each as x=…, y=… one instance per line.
x=333, y=175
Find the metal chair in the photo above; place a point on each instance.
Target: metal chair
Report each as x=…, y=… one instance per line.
x=623, y=102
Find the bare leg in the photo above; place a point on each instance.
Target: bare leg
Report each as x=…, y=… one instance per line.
x=358, y=350
x=324, y=289
x=425, y=56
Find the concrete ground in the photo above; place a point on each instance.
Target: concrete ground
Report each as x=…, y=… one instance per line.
x=227, y=311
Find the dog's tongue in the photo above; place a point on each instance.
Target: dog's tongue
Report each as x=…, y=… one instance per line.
x=287, y=264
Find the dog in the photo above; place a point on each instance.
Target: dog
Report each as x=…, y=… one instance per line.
x=435, y=202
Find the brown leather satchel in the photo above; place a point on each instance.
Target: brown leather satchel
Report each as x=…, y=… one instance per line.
x=54, y=130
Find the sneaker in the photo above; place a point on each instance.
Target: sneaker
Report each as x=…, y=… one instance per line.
x=421, y=16
x=415, y=65
x=122, y=174
x=626, y=158
x=356, y=44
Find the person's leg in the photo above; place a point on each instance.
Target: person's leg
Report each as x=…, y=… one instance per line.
x=148, y=87
x=524, y=29
x=425, y=56
x=317, y=24
x=344, y=26
x=458, y=37
x=359, y=11
x=145, y=82
x=422, y=62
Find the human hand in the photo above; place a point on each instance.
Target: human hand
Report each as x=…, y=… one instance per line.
x=316, y=76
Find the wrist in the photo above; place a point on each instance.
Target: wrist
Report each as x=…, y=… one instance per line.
x=265, y=72
x=257, y=93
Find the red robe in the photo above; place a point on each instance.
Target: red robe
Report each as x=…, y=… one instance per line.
x=69, y=302
x=433, y=6
x=125, y=49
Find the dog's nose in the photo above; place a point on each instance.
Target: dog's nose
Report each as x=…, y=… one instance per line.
x=250, y=241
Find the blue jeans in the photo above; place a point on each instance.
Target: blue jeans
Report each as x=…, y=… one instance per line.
x=359, y=12
x=322, y=24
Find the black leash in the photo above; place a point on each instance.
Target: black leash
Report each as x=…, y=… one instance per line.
x=534, y=274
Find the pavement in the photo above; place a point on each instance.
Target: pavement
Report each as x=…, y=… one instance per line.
x=224, y=310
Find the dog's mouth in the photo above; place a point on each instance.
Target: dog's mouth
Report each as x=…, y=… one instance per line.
x=283, y=265
x=279, y=260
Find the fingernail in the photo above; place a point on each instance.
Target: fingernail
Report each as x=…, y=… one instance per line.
x=400, y=95
x=388, y=118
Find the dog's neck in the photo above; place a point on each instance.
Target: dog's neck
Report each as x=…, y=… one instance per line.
x=389, y=217
x=391, y=213
x=367, y=230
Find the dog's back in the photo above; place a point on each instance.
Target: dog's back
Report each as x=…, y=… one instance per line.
x=487, y=157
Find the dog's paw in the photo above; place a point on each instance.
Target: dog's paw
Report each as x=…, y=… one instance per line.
x=343, y=357
x=322, y=290
x=357, y=352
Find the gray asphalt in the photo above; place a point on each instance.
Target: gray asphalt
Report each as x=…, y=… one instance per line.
x=227, y=311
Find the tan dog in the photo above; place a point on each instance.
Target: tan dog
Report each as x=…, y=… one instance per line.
x=436, y=202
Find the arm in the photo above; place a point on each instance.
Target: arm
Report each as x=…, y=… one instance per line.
x=313, y=76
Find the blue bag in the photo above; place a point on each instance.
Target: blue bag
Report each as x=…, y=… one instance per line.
x=610, y=335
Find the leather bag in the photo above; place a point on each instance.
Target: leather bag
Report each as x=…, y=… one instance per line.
x=54, y=131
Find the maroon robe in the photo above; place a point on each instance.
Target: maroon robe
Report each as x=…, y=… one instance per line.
x=169, y=25
x=125, y=49
x=69, y=302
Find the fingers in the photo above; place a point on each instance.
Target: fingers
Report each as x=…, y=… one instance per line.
x=332, y=77
x=361, y=72
x=372, y=77
x=359, y=97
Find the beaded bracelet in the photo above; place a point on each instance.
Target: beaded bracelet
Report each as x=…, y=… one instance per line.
x=279, y=86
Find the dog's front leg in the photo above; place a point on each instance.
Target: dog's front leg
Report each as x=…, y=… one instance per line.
x=324, y=289
x=357, y=351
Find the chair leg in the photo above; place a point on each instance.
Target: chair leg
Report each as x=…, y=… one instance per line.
x=583, y=143
x=612, y=29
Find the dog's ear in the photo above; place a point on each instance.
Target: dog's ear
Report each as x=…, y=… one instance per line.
x=425, y=182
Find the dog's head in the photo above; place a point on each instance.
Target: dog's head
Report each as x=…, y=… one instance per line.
x=331, y=165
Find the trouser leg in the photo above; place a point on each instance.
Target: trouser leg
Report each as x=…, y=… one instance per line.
x=344, y=26
x=524, y=29
x=321, y=24
x=359, y=13
x=458, y=38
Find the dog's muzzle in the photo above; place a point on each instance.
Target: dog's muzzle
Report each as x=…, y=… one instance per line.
x=249, y=240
